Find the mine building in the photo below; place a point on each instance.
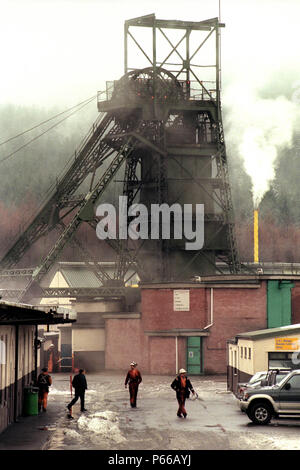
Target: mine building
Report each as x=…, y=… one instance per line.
x=262, y=350
x=20, y=354
x=188, y=324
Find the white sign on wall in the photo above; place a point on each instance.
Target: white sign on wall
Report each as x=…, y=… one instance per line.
x=181, y=300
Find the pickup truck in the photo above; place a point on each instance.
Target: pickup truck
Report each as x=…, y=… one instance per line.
x=281, y=399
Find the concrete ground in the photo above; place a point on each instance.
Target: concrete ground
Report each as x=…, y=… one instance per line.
x=214, y=420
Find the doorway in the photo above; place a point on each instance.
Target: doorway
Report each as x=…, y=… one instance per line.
x=194, y=355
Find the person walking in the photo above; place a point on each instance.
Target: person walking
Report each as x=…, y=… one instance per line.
x=44, y=381
x=80, y=384
x=182, y=385
x=134, y=379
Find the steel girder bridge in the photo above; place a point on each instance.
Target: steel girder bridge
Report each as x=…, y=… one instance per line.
x=161, y=126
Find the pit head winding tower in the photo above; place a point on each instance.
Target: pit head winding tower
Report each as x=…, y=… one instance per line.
x=168, y=101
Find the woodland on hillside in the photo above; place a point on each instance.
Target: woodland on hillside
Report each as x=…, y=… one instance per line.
x=27, y=175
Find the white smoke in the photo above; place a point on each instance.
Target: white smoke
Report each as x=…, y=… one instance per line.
x=258, y=128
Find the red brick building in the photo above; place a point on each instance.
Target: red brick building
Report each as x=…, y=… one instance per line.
x=187, y=325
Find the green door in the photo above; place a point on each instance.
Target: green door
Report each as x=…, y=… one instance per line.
x=194, y=355
x=279, y=303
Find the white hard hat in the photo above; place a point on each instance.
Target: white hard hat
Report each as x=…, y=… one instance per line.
x=133, y=363
x=182, y=371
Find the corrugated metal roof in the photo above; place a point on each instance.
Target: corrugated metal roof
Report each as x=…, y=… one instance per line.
x=269, y=332
x=80, y=277
x=13, y=313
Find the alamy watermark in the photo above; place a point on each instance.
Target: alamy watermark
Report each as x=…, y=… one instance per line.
x=2, y=353
x=161, y=221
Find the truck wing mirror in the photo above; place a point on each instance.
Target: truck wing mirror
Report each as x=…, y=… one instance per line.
x=287, y=386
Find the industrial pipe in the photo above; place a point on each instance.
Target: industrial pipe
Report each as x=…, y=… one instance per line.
x=176, y=353
x=211, y=309
x=256, y=256
x=35, y=355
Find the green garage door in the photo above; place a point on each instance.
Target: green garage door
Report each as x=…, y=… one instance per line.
x=194, y=355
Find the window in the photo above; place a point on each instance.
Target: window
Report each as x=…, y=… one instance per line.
x=295, y=381
x=242, y=352
x=3, y=367
x=249, y=353
x=235, y=363
x=282, y=360
x=2, y=350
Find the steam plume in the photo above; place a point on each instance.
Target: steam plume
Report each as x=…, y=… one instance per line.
x=258, y=128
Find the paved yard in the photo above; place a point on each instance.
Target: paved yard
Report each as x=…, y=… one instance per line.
x=214, y=420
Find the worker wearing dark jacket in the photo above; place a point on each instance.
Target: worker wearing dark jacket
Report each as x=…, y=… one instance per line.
x=43, y=382
x=134, y=378
x=182, y=385
x=80, y=384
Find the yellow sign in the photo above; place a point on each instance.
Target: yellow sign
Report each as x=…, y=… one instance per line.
x=287, y=344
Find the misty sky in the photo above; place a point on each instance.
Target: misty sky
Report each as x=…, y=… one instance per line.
x=59, y=51
x=56, y=53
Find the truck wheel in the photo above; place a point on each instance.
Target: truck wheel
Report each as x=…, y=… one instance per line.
x=260, y=413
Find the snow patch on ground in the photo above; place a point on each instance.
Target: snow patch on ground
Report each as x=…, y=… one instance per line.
x=288, y=444
x=72, y=434
x=105, y=423
x=55, y=391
